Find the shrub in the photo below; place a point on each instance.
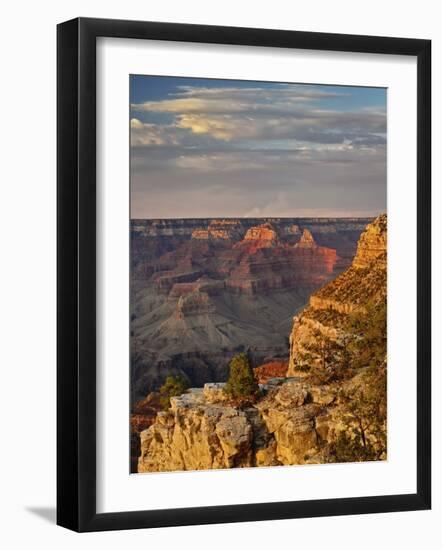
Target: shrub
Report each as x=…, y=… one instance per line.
x=365, y=417
x=172, y=387
x=370, y=345
x=241, y=382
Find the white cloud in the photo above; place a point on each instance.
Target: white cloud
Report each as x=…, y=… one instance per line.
x=256, y=152
x=146, y=134
x=285, y=112
x=234, y=100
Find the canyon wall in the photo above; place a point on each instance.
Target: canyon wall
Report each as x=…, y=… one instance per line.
x=327, y=318
x=202, y=290
x=330, y=405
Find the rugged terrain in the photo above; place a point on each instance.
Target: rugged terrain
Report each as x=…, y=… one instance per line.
x=202, y=290
x=326, y=323
x=329, y=407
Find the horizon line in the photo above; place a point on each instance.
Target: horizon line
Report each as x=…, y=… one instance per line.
x=262, y=217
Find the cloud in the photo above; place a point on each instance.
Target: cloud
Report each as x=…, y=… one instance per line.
x=251, y=151
x=146, y=134
x=319, y=127
x=235, y=114
x=191, y=99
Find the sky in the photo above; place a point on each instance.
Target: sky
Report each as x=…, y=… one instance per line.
x=230, y=148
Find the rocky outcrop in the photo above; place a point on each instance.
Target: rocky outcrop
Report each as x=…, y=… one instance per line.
x=326, y=318
x=142, y=416
x=294, y=422
x=196, y=435
x=372, y=246
x=202, y=284
x=166, y=280
x=267, y=371
x=202, y=234
x=306, y=240
x=261, y=236
x=194, y=303
x=267, y=263
x=201, y=431
x=220, y=230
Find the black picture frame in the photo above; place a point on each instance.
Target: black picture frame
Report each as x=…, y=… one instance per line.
x=76, y=274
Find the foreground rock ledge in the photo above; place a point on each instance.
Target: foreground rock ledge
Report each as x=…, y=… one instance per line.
x=286, y=426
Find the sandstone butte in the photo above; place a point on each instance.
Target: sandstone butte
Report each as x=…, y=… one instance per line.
x=306, y=240
x=267, y=263
x=295, y=419
x=263, y=234
x=260, y=261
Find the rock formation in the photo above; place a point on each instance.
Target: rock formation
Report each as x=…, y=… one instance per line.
x=266, y=263
x=372, y=246
x=274, y=369
x=143, y=415
x=302, y=417
x=220, y=230
x=306, y=240
x=203, y=289
x=327, y=316
x=293, y=423
x=199, y=432
x=261, y=236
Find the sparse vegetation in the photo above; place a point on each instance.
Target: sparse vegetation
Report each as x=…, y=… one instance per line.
x=369, y=346
x=241, y=383
x=172, y=387
x=356, y=286
x=326, y=359
x=365, y=414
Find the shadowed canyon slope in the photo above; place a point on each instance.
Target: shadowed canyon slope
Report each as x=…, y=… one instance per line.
x=330, y=406
x=204, y=289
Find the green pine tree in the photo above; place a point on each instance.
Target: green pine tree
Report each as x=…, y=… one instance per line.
x=241, y=383
x=172, y=387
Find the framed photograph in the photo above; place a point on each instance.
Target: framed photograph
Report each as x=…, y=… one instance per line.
x=243, y=274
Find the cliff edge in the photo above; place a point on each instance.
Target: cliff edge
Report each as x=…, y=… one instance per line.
x=327, y=322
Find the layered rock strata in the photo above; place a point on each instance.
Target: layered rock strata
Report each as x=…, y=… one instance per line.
x=298, y=418
x=201, y=431
x=327, y=317
x=202, y=290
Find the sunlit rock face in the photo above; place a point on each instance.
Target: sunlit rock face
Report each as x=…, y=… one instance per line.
x=262, y=235
x=267, y=262
x=293, y=422
x=361, y=285
x=372, y=245
x=202, y=431
x=306, y=240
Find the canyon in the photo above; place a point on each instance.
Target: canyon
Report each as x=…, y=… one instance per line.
x=324, y=402
x=204, y=289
